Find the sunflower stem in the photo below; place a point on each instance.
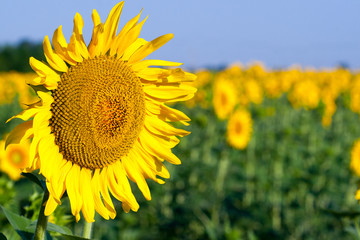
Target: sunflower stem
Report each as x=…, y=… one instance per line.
x=87, y=229
x=42, y=219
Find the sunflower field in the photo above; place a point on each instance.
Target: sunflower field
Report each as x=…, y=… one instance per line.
x=87, y=150
x=271, y=155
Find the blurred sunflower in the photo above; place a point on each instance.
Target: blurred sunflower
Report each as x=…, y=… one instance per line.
x=253, y=91
x=224, y=97
x=239, y=129
x=355, y=158
x=102, y=116
x=14, y=158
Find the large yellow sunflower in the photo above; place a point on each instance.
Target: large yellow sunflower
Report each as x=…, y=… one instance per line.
x=102, y=117
x=239, y=129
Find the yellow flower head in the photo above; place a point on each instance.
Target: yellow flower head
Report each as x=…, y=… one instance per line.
x=239, y=129
x=102, y=117
x=14, y=158
x=224, y=97
x=305, y=94
x=253, y=91
x=355, y=158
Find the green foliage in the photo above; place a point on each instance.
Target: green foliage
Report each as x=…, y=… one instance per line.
x=291, y=182
x=16, y=58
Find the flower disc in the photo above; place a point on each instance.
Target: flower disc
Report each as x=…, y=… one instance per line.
x=98, y=112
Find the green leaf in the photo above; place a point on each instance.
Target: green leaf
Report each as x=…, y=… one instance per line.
x=50, y=227
x=2, y=237
x=19, y=223
x=34, y=179
x=73, y=237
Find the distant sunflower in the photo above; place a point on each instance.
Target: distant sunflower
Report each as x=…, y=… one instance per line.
x=102, y=116
x=224, y=97
x=355, y=158
x=239, y=129
x=14, y=158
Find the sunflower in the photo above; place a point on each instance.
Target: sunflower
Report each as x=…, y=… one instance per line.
x=14, y=158
x=102, y=117
x=355, y=158
x=224, y=97
x=239, y=129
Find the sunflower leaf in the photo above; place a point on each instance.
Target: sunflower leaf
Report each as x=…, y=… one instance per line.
x=34, y=179
x=73, y=237
x=2, y=237
x=50, y=227
x=19, y=223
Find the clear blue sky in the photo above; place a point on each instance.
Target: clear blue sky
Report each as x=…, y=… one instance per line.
x=319, y=33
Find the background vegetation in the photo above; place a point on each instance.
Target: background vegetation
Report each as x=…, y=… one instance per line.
x=291, y=182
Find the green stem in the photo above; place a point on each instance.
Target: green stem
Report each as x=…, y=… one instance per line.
x=87, y=229
x=42, y=219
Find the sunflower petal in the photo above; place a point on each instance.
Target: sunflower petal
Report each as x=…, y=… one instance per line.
x=111, y=25
x=135, y=174
x=138, y=66
x=160, y=127
x=152, y=145
x=53, y=58
x=72, y=187
x=88, y=206
x=50, y=206
x=20, y=133
x=95, y=184
x=60, y=46
x=129, y=38
x=150, y=47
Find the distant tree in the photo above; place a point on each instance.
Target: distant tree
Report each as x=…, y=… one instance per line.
x=16, y=57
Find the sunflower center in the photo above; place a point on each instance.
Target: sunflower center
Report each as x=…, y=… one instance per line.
x=98, y=112
x=17, y=157
x=238, y=127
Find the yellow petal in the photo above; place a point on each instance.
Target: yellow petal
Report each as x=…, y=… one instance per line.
x=139, y=66
x=134, y=172
x=26, y=114
x=157, y=149
x=166, y=113
x=49, y=77
x=60, y=46
x=169, y=92
x=160, y=127
x=72, y=188
x=88, y=207
x=79, y=39
x=124, y=41
x=46, y=98
x=105, y=193
x=73, y=50
x=132, y=48
x=150, y=47
x=59, y=186
x=120, y=187
x=47, y=151
x=97, y=41
x=95, y=184
x=51, y=205
x=53, y=58
x=156, y=166
x=20, y=133
x=111, y=25
x=120, y=37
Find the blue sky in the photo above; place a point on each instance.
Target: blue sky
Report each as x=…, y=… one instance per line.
x=318, y=33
